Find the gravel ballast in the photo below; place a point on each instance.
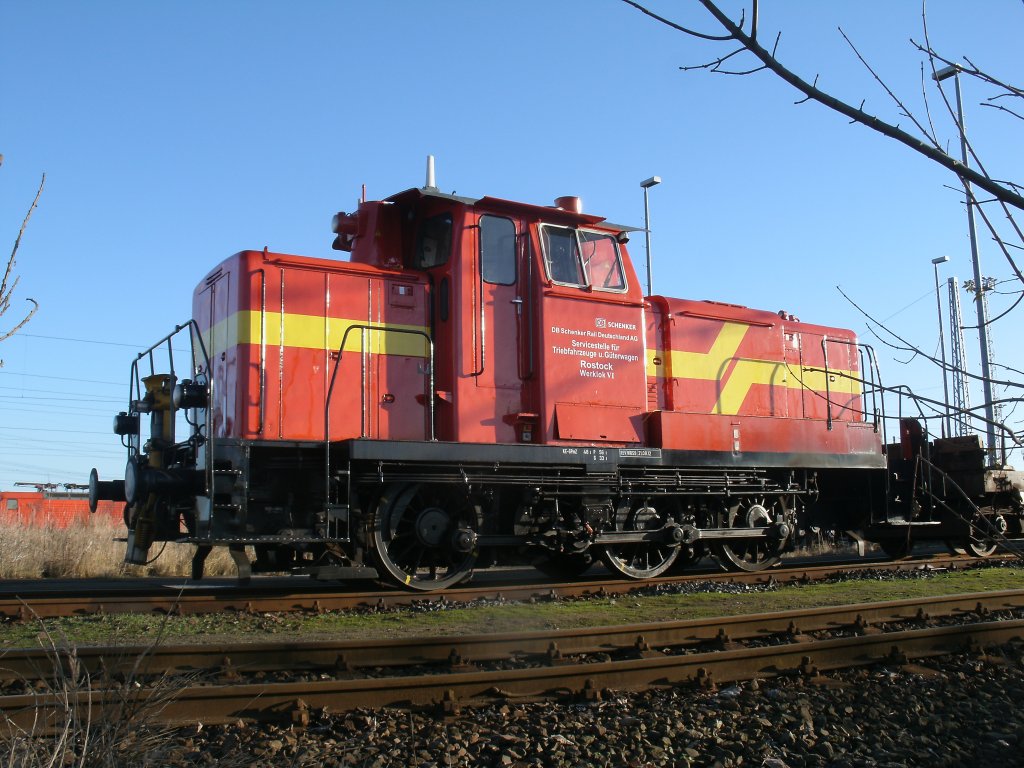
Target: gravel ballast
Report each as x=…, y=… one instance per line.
x=962, y=710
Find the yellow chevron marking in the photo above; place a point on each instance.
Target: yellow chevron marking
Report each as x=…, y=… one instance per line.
x=706, y=366
x=747, y=373
x=713, y=364
x=312, y=332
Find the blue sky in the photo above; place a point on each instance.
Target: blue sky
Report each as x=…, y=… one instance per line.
x=175, y=134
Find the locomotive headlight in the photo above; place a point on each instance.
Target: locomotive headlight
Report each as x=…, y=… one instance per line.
x=345, y=223
x=189, y=394
x=126, y=424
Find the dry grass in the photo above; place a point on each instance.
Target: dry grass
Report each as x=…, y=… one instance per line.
x=90, y=550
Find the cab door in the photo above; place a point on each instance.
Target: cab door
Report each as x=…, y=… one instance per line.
x=499, y=325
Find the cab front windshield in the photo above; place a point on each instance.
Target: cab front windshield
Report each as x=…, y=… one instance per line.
x=582, y=258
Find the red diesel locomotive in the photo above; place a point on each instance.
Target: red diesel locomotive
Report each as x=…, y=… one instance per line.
x=483, y=382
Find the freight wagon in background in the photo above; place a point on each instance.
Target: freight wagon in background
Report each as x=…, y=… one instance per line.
x=54, y=509
x=482, y=381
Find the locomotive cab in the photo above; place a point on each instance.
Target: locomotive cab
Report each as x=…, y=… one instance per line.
x=535, y=313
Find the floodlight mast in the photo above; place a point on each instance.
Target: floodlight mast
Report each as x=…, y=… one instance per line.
x=946, y=429
x=958, y=363
x=647, y=184
x=986, y=369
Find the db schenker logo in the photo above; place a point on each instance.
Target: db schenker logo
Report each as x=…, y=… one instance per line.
x=600, y=322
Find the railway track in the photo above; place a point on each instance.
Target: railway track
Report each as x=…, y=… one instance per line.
x=224, y=684
x=34, y=600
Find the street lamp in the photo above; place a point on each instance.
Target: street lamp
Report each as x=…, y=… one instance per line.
x=647, y=184
x=946, y=431
x=986, y=375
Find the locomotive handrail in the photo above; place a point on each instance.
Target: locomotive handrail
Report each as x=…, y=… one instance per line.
x=479, y=312
x=526, y=292
x=873, y=368
x=134, y=382
x=134, y=385
x=263, y=349
x=364, y=328
x=877, y=403
x=177, y=329
x=828, y=392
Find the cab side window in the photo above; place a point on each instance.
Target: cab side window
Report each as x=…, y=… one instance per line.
x=435, y=242
x=497, y=250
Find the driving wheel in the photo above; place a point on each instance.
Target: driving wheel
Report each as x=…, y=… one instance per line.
x=751, y=554
x=424, y=536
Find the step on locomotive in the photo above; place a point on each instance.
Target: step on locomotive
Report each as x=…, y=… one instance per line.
x=484, y=382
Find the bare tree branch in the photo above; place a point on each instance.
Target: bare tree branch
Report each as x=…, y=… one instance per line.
x=735, y=32
x=1001, y=108
x=903, y=109
x=7, y=286
x=677, y=27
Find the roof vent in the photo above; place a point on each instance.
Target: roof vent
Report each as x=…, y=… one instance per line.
x=569, y=203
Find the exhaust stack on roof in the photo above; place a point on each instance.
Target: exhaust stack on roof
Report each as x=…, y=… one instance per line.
x=430, y=173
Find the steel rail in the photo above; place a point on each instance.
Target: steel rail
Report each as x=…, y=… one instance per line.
x=228, y=659
x=39, y=713
x=193, y=598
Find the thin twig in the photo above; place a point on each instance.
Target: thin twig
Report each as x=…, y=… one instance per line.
x=5, y=292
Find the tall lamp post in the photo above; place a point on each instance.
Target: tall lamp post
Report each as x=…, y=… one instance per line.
x=946, y=431
x=647, y=184
x=986, y=373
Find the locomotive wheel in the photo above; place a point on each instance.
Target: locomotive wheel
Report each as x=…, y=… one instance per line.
x=424, y=536
x=982, y=541
x=564, y=565
x=754, y=554
x=979, y=547
x=640, y=561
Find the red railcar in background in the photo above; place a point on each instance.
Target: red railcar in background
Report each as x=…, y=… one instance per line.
x=53, y=509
